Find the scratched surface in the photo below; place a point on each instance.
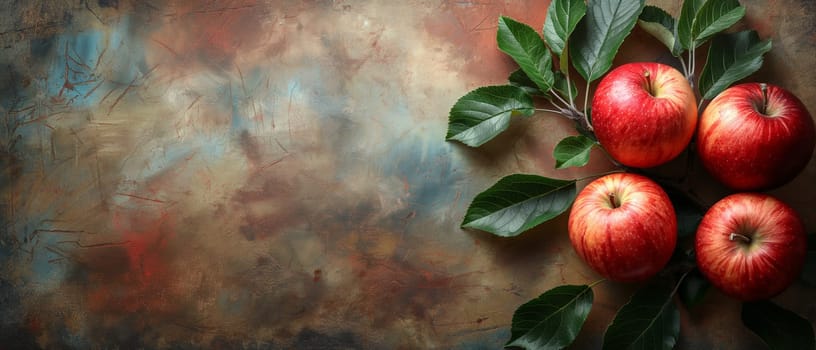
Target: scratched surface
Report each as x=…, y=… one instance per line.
x=272, y=174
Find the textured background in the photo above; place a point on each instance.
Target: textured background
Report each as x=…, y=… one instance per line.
x=266, y=174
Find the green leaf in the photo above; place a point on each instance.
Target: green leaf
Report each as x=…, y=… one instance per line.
x=714, y=17
x=485, y=112
x=563, y=61
x=520, y=79
x=519, y=202
x=553, y=320
x=693, y=288
x=779, y=328
x=562, y=18
x=731, y=57
x=527, y=48
x=567, y=90
x=573, y=151
x=650, y=320
x=685, y=22
x=660, y=25
x=600, y=34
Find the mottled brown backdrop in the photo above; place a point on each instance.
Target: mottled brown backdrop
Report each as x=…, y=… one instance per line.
x=273, y=174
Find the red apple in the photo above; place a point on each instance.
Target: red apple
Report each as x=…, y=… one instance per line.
x=755, y=137
x=644, y=114
x=624, y=226
x=751, y=246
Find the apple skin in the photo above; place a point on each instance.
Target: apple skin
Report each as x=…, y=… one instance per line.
x=644, y=114
x=761, y=266
x=628, y=243
x=748, y=150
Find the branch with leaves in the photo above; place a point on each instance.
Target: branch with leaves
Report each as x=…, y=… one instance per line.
x=583, y=38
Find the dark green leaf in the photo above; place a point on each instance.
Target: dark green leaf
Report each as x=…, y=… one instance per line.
x=693, y=288
x=573, y=151
x=714, y=17
x=562, y=17
x=519, y=202
x=527, y=48
x=688, y=212
x=660, y=25
x=520, y=79
x=552, y=320
x=685, y=22
x=600, y=34
x=778, y=327
x=650, y=320
x=485, y=112
x=731, y=57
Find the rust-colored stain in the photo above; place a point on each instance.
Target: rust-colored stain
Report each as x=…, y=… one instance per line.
x=273, y=174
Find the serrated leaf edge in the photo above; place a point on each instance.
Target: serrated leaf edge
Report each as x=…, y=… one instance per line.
x=483, y=90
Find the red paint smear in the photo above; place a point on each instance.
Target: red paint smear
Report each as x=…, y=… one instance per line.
x=34, y=325
x=147, y=236
x=471, y=29
x=213, y=32
x=148, y=282
x=389, y=282
x=765, y=24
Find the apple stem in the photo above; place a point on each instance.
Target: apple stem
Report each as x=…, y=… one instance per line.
x=614, y=200
x=764, y=88
x=647, y=75
x=734, y=236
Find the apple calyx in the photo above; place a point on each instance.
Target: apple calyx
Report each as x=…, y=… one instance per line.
x=738, y=236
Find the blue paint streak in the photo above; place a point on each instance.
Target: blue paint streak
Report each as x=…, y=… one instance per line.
x=170, y=155
x=243, y=92
x=74, y=340
x=86, y=58
x=492, y=340
x=427, y=167
x=239, y=120
x=232, y=301
x=42, y=273
x=212, y=148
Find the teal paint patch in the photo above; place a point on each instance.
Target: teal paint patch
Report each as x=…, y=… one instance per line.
x=490, y=340
x=232, y=301
x=85, y=66
x=44, y=245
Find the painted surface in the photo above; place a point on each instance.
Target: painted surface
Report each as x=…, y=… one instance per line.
x=272, y=174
